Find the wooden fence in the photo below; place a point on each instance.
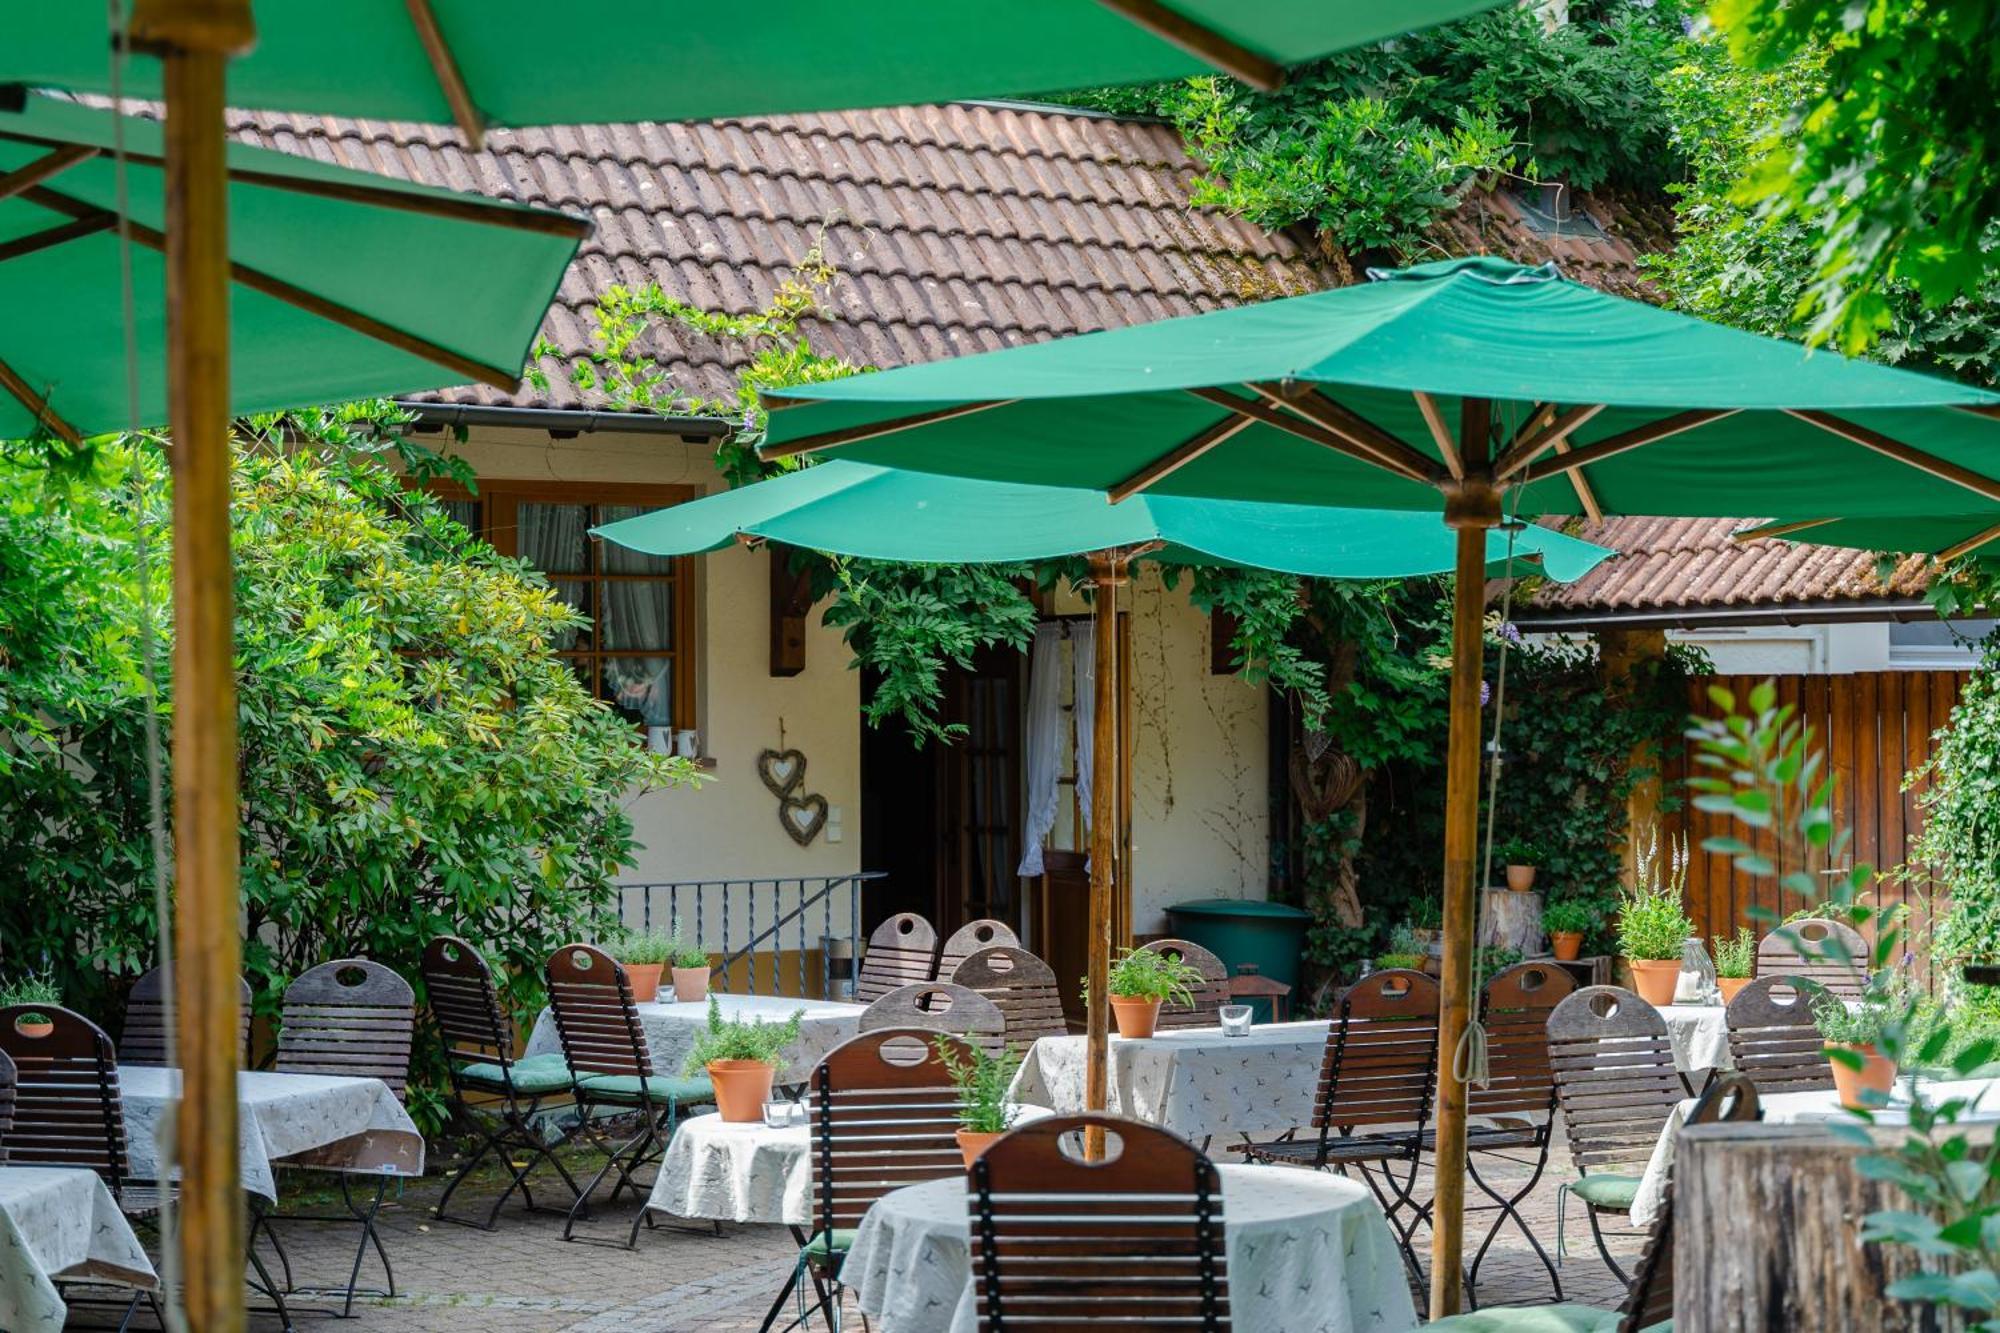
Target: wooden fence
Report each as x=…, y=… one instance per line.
x=1874, y=727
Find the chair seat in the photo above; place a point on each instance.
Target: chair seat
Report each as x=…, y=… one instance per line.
x=1604, y=1190
x=625, y=1088
x=536, y=1076
x=1538, y=1319
x=824, y=1243
x=1354, y=1148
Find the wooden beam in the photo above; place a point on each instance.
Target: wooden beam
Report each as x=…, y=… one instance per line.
x=1441, y=434
x=1942, y=469
x=1203, y=43
x=42, y=168
x=444, y=68
x=36, y=242
x=1260, y=409
x=1664, y=428
x=1178, y=457
x=1581, y=485
x=1475, y=430
x=1969, y=545
x=1352, y=427
x=24, y=393
x=1107, y=576
x=834, y=439
x=1777, y=529
x=1524, y=451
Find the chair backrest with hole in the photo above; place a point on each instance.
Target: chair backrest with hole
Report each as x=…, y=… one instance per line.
x=1615, y=1077
x=465, y=1003
x=1209, y=995
x=1022, y=986
x=349, y=1017
x=7, y=1078
x=939, y=1006
x=1380, y=1065
x=902, y=950
x=144, y=1041
x=1135, y=1240
x=884, y=1115
x=1515, y=1008
x=969, y=939
x=596, y=1017
x=1795, y=950
x=67, y=1108
x=1772, y=1036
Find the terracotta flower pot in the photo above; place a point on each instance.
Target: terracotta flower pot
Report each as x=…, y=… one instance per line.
x=1877, y=1074
x=972, y=1142
x=1136, y=1017
x=690, y=984
x=1655, y=979
x=741, y=1089
x=1730, y=985
x=1568, y=945
x=1520, y=878
x=645, y=979
x=34, y=1031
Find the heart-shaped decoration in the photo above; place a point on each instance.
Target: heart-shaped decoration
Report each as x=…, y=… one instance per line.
x=803, y=817
x=781, y=770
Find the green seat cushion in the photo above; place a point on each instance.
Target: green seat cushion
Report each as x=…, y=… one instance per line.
x=536, y=1076
x=838, y=1241
x=625, y=1087
x=1606, y=1191
x=1530, y=1319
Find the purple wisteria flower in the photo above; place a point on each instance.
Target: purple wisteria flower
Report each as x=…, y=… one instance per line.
x=1485, y=693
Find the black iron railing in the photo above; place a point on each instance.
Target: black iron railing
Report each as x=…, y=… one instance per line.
x=741, y=918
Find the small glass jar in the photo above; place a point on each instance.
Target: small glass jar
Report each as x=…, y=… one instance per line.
x=777, y=1114
x=1235, y=1020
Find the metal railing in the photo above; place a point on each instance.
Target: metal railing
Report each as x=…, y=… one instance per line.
x=740, y=918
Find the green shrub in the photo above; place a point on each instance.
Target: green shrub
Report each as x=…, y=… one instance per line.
x=982, y=1080
x=1147, y=974
x=1517, y=852
x=730, y=1039
x=1566, y=918
x=1735, y=955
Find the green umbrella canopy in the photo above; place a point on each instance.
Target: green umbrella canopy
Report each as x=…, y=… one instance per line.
x=889, y=514
x=1312, y=386
x=521, y=64
x=1944, y=535
x=346, y=284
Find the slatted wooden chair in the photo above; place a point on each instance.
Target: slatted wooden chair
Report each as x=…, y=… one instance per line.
x=1209, y=996
x=1615, y=1075
x=1134, y=1241
x=1772, y=1037
x=969, y=939
x=902, y=950
x=1377, y=1076
x=939, y=1006
x=144, y=1041
x=7, y=1078
x=605, y=1045
x=1797, y=949
x=498, y=1094
x=1022, y=986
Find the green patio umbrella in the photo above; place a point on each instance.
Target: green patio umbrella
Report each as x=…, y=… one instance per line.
x=1462, y=386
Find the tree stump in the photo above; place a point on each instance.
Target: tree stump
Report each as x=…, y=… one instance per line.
x=1767, y=1236
x=1512, y=921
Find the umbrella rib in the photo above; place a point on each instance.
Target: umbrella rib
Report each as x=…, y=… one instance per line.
x=1581, y=484
x=1328, y=415
x=1664, y=428
x=451, y=79
x=1202, y=42
x=1764, y=530
x=18, y=389
x=1907, y=455
x=1441, y=434
x=1525, y=451
x=1178, y=457
x=833, y=439
x=1969, y=545
x=75, y=230
x=1305, y=430
x=42, y=168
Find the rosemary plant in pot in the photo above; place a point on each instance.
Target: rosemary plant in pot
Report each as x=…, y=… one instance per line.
x=1862, y=1074
x=1653, y=923
x=742, y=1060
x=982, y=1080
x=28, y=991
x=1565, y=924
x=1735, y=956
x=644, y=957
x=1141, y=981
x=1405, y=951
x=690, y=971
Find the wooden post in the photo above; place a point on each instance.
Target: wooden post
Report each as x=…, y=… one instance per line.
x=194, y=39
x=1620, y=652
x=1107, y=575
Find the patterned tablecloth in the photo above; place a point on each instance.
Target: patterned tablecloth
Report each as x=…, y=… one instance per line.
x=60, y=1222
x=1307, y=1253
x=671, y=1028
x=1194, y=1081
x=340, y=1124
x=1700, y=1034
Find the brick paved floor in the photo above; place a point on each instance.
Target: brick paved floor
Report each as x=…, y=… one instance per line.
x=522, y=1278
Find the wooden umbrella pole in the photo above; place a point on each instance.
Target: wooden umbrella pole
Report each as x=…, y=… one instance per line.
x=194, y=39
x=1107, y=575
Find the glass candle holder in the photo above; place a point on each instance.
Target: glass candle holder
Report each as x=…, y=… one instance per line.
x=1235, y=1020
x=777, y=1114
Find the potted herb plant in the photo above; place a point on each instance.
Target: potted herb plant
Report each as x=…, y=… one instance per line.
x=741, y=1060
x=1405, y=951
x=32, y=990
x=1862, y=1075
x=1521, y=858
x=982, y=1082
x=1426, y=923
x=1734, y=957
x=1653, y=924
x=1565, y=924
x=644, y=957
x=689, y=963
x=1141, y=981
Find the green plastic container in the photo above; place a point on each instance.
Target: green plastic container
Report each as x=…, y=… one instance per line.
x=1269, y=936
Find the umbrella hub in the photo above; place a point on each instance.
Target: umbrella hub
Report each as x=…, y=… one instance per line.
x=219, y=27
x=1471, y=501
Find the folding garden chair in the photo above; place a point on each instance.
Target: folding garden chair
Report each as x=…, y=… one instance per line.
x=1135, y=1240
x=605, y=1045
x=902, y=950
x=7, y=1077
x=1784, y=953
x=1209, y=996
x=1772, y=1036
x=969, y=939
x=1022, y=986
x=499, y=1095
x=144, y=1041
x=939, y=1006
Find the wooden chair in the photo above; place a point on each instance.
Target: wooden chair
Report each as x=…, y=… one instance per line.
x=144, y=1041
x=1615, y=1075
x=902, y=950
x=605, y=1045
x=969, y=939
x=7, y=1078
x=1250, y=984
x=1022, y=986
x=1210, y=995
x=1135, y=1240
x=1378, y=1075
x=498, y=1095
x=939, y=1006
x=1772, y=1037
x=1795, y=950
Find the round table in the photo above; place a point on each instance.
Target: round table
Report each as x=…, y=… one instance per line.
x=1306, y=1253
x=1700, y=1036
x=735, y=1173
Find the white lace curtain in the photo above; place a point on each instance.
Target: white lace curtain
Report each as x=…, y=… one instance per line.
x=1049, y=735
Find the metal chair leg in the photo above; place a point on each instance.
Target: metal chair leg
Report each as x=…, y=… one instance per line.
x=1603, y=1250
x=1509, y=1211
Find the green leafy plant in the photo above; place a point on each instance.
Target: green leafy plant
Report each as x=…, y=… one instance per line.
x=1861, y=1024
x=642, y=948
x=1491, y=958
x=1568, y=918
x=1403, y=940
x=1517, y=852
x=732, y=1039
x=1653, y=924
x=1413, y=962
x=31, y=989
x=982, y=1080
x=685, y=954
x=1735, y=955
x=1147, y=974
x=1426, y=914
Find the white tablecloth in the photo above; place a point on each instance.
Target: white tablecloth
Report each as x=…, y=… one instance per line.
x=344, y=1124
x=1790, y=1108
x=1307, y=1253
x=60, y=1222
x=1700, y=1034
x=671, y=1028
x=1194, y=1081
